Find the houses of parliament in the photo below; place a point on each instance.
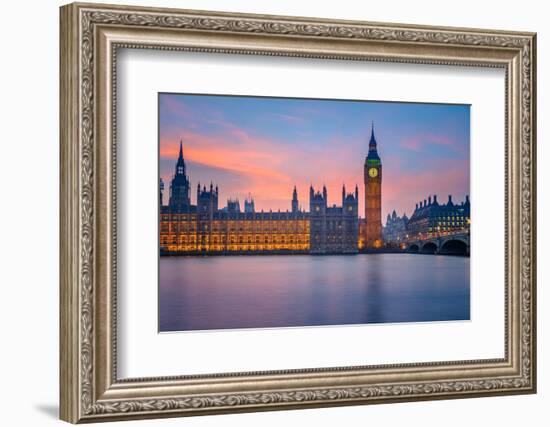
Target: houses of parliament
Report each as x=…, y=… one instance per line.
x=205, y=228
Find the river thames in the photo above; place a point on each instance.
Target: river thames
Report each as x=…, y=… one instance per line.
x=230, y=292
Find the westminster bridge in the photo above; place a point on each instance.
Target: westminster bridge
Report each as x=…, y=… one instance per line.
x=452, y=243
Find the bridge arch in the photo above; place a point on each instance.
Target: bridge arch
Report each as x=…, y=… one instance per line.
x=454, y=247
x=414, y=248
x=428, y=248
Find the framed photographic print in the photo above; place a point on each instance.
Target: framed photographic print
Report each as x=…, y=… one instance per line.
x=260, y=173
x=264, y=212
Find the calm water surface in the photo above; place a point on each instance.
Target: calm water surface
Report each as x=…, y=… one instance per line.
x=198, y=293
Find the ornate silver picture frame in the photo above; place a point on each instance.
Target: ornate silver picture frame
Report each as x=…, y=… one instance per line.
x=91, y=36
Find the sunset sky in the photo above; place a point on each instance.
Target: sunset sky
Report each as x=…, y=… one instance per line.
x=265, y=146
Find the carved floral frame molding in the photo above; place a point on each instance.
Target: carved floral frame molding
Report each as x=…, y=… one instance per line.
x=90, y=37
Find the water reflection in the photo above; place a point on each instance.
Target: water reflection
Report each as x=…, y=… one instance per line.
x=276, y=291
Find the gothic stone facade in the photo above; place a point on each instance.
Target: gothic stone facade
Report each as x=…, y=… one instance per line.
x=333, y=229
x=430, y=217
x=395, y=231
x=204, y=228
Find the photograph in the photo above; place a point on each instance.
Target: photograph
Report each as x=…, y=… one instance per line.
x=291, y=212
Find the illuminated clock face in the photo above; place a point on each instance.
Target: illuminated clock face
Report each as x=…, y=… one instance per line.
x=373, y=172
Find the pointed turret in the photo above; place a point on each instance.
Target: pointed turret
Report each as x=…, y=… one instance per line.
x=372, y=142
x=295, y=200
x=372, y=157
x=180, y=186
x=343, y=193
x=180, y=164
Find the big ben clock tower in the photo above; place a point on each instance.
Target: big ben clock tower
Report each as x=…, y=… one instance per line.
x=373, y=196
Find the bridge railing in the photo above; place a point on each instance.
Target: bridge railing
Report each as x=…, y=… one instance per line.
x=432, y=235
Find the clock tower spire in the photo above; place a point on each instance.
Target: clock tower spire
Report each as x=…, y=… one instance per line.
x=373, y=195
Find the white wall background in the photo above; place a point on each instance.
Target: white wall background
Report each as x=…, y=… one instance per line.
x=29, y=171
